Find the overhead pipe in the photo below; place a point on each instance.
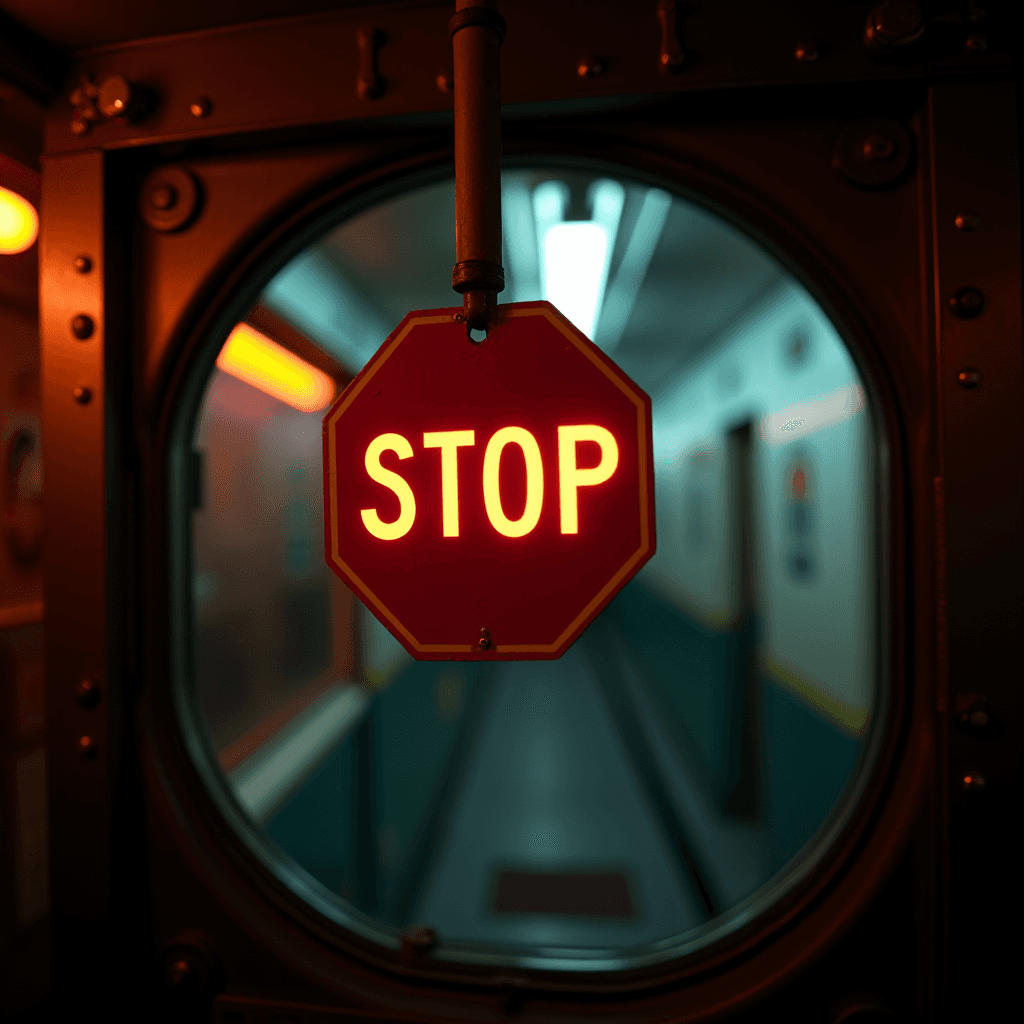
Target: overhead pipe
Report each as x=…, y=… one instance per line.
x=477, y=31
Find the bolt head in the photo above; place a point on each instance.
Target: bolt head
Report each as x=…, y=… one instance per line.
x=973, y=782
x=969, y=378
x=83, y=264
x=87, y=693
x=163, y=196
x=967, y=222
x=189, y=974
x=87, y=747
x=418, y=939
x=893, y=23
x=806, y=52
x=967, y=303
x=445, y=82
x=878, y=147
x=79, y=126
x=115, y=97
x=590, y=67
x=83, y=396
x=82, y=327
x=200, y=107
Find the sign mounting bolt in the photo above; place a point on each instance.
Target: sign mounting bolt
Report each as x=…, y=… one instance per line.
x=485, y=643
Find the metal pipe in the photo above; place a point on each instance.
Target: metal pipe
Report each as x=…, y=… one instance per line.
x=477, y=31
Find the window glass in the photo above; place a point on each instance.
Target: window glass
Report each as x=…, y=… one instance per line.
x=693, y=753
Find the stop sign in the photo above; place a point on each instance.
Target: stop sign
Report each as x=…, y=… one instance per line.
x=487, y=500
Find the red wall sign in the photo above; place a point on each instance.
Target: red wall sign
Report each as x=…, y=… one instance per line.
x=487, y=501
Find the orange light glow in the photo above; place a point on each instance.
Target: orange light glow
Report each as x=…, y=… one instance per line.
x=255, y=359
x=19, y=222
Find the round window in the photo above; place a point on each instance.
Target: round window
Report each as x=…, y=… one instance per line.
x=696, y=751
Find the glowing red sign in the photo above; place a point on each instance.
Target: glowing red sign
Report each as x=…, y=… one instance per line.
x=487, y=501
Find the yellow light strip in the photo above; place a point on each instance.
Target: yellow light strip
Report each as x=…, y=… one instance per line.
x=254, y=358
x=19, y=223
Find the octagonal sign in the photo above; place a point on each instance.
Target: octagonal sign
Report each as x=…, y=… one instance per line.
x=486, y=501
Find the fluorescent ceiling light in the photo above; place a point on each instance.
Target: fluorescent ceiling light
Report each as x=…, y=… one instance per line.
x=255, y=359
x=574, y=256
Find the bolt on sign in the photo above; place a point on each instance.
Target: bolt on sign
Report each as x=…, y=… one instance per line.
x=486, y=501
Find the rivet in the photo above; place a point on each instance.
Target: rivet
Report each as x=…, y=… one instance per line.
x=79, y=126
x=967, y=222
x=878, y=147
x=967, y=303
x=484, y=643
x=806, y=52
x=445, y=82
x=169, y=199
x=87, y=693
x=82, y=327
x=590, y=67
x=976, y=43
x=971, y=714
x=87, y=747
x=418, y=939
x=973, y=781
x=200, y=107
x=969, y=378
x=83, y=264
x=83, y=396
x=117, y=97
x=163, y=197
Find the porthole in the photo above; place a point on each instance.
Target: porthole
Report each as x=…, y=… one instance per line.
x=697, y=751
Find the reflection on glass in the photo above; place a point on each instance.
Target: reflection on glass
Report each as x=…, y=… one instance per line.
x=672, y=770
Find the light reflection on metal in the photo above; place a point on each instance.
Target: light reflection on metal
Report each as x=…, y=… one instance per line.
x=252, y=357
x=19, y=223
